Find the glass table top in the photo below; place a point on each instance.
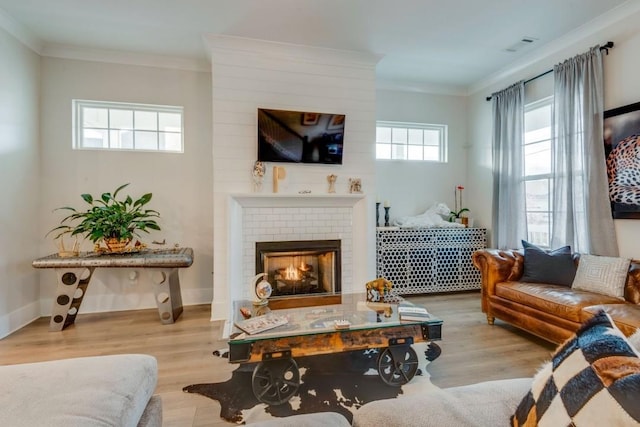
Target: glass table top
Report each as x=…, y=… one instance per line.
x=354, y=309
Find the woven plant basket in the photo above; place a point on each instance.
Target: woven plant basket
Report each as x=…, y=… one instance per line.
x=116, y=245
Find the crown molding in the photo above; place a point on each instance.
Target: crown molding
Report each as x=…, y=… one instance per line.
x=420, y=87
x=20, y=32
x=221, y=44
x=125, y=57
x=582, y=37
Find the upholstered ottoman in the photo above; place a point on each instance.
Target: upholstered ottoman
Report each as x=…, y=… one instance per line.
x=88, y=391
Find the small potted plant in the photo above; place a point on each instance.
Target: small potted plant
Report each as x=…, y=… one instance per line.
x=109, y=220
x=456, y=215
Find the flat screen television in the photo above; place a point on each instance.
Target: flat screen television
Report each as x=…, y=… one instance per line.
x=300, y=137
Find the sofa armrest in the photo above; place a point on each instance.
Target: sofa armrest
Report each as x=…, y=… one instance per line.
x=497, y=266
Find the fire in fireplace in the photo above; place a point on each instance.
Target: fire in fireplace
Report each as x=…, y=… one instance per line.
x=306, y=267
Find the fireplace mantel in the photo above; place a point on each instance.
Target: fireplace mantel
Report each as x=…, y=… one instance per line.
x=257, y=200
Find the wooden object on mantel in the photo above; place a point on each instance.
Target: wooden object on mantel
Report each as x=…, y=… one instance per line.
x=74, y=274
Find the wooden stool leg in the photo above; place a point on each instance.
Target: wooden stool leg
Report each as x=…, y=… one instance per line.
x=166, y=288
x=71, y=288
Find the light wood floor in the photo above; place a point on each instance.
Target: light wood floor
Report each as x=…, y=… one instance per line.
x=472, y=351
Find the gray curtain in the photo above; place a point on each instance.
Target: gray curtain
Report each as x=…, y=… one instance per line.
x=509, y=222
x=581, y=208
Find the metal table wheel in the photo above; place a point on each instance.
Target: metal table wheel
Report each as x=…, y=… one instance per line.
x=275, y=381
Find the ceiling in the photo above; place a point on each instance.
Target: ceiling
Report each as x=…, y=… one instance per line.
x=452, y=44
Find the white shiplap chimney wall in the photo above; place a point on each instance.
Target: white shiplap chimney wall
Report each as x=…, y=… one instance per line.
x=249, y=74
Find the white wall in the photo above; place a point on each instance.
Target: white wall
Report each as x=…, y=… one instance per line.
x=20, y=188
x=251, y=74
x=621, y=87
x=412, y=187
x=181, y=183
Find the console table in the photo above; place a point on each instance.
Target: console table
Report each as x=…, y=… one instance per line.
x=74, y=274
x=429, y=260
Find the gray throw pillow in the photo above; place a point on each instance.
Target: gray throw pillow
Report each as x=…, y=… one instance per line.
x=555, y=267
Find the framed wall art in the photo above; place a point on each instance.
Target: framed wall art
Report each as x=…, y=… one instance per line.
x=622, y=151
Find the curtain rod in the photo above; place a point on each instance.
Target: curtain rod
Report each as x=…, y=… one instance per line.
x=605, y=47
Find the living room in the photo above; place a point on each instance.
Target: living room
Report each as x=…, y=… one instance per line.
x=220, y=95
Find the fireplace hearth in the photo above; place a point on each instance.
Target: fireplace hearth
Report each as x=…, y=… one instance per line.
x=300, y=268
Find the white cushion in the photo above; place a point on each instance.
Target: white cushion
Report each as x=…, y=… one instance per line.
x=635, y=340
x=87, y=391
x=603, y=275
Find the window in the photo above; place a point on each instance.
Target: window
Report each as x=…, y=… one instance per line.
x=537, y=170
x=122, y=126
x=411, y=141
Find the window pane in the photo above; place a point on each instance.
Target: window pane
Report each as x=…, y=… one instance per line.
x=95, y=138
x=537, y=195
x=399, y=135
x=170, y=141
x=431, y=137
x=146, y=120
x=432, y=153
x=121, y=119
x=95, y=118
x=415, y=136
x=122, y=139
x=537, y=118
x=383, y=151
x=399, y=151
x=538, y=228
x=415, y=152
x=146, y=140
x=537, y=158
x=383, y=134
x=170, y=122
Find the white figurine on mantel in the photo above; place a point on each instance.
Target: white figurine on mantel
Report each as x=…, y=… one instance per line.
x=431, y=218
x=257, y=175
x=332, y=182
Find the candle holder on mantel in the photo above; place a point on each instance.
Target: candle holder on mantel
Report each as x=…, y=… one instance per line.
x=377, y=214
x=386, y=215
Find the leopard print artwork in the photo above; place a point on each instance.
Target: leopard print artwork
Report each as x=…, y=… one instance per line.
x=623, y=171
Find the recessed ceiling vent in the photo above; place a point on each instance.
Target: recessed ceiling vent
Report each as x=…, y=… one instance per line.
x=524, y=42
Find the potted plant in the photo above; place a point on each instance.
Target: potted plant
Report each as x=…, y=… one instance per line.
x=109, y=220
x=456, y=215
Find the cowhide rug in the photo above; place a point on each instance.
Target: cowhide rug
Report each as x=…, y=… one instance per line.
x=341, y=382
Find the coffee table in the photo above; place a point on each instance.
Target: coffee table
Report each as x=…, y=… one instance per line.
x=312, y=331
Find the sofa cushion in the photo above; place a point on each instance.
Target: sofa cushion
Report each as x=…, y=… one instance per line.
x=559, y=300
x=555, y=267
x=87, y=391
x=604, y=275
x=592, y=379
x=625, y=316
x=488, y=403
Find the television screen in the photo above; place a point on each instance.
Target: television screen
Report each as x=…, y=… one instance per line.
x=300, y=137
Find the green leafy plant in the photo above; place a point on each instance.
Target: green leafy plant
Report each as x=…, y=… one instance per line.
x=108, y=218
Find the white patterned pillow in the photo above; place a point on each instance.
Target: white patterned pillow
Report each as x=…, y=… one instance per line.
x=592, y=380
x=601, y=274
x=635, y=340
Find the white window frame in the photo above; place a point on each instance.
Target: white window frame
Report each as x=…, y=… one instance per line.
x=543, y=176
x=442, y=143
x=78, y=106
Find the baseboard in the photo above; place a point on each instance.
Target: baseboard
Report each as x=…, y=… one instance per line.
x=19, y=318
x=111, y=302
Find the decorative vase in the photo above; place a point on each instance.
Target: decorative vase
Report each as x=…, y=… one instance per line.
x=116, y=245
x=465, y=221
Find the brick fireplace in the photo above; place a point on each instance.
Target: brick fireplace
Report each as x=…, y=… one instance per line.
x=255, y=218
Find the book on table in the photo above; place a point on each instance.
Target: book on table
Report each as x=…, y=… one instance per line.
x=259, y=324
x=413, y=313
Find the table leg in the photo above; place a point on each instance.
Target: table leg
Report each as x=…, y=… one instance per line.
x=72, y=286
x=166, y=287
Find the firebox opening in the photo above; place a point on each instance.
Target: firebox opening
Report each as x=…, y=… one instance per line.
x=297, y=268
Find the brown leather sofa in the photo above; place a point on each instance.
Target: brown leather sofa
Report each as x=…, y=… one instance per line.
x=552, y=312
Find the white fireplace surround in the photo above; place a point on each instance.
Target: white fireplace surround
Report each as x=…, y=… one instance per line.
x=273, y=217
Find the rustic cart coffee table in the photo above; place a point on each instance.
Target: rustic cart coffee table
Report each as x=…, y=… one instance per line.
x=310, y=331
